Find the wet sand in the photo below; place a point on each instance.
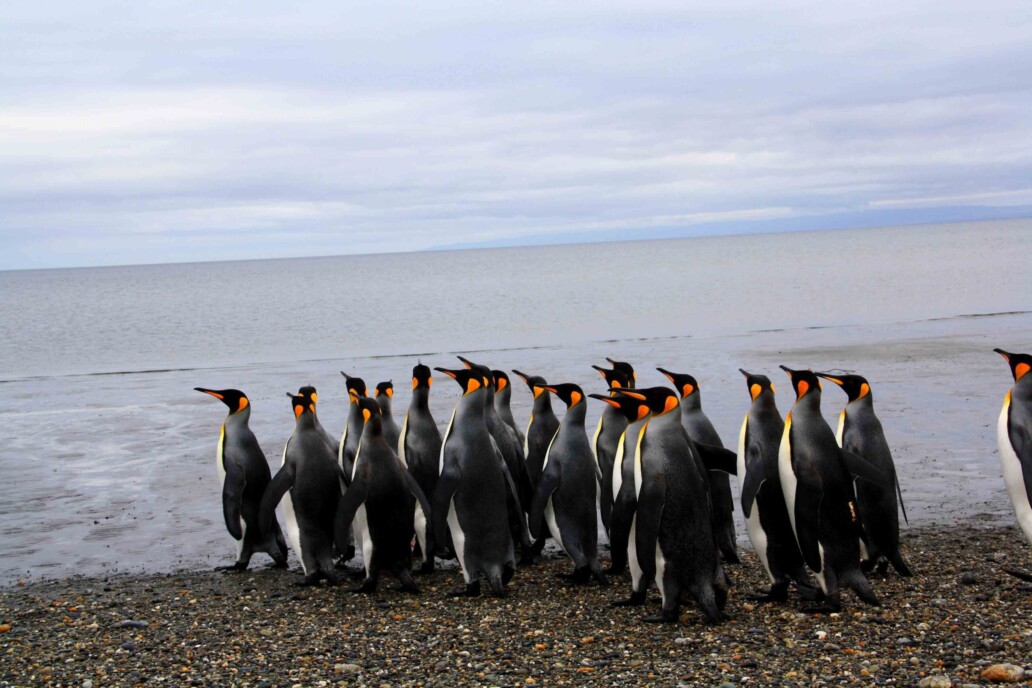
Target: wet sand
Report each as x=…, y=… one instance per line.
x=959, y=615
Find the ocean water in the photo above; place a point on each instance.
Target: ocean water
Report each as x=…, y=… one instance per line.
x=107, y=454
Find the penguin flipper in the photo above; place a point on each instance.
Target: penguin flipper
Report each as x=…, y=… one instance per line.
x=750, y=488
x=649, y=514
x=547, y=484
x=283, y=481
x=233, y=497
x=620, y=521
x=902, y=506
x=348, y=505
x=861, y=468
x=807, y=523
x=447, y=486
x=717, y=458
x=425, y=534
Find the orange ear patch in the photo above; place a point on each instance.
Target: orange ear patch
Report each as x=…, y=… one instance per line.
x=642, y=412
x=367, y=414
x=1020, y=371
x=243, y=404
x=390, y=392
x=754, y=391
x=802, y=388
x=298, y=410
x=865, y=389
x=670, y=405
x=538, y=391
x=474, y=385
x=575, y=398
x=687, y=390
x=415, y=383
x=501, y=383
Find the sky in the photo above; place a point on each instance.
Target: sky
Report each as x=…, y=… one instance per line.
x=180, y=131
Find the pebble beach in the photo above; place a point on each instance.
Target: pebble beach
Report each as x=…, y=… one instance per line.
x=961, y=621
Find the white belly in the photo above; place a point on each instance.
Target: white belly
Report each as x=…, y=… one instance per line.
x=401, y=442
x=1012, y=475
x=757, y=535
x=618, y=466
x=632, y=557
x=219, y=465
x=444, y=443
x=419, y=523
x=362, y=537
x=820, y=574
x=787, y=475
x=293, y=532
x=553, y=527
x=660, y=570
x=458, y=539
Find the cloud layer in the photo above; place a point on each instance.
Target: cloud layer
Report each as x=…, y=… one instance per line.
x=189, y=132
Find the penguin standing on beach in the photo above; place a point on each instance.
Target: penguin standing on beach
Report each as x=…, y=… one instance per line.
x=860, y=432
x=386, y=505
x=673, y=532
x=502, y=399
x=384, y=396
x=817, y=482
x=471, y=496
x=352, y=435
x=567, y=492
x=763, y=502
x=541, y=428
x=419, y=446
x=309, y=393
x=622, y=545
x=1014, y=436
x=607, y=435
x=244, y=473
x=307, y=482
x=701, y=430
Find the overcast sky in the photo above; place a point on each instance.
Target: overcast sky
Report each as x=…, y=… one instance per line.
x=171, y=131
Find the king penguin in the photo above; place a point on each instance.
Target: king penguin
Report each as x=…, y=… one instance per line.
x=860, y=432
x=386, y=505
x=1014, y=436
x=817, y=482
x=308, y=480
x=763, y=502
x=353, y=427
x=384, y=396
x=502, y=399
x=419, y=446
x=245, y=474
x=701, y=430
x=541, y=428
x=673, y=531
x=568, y=490
x=622, y=545
x=607, y=435
x=471, y=496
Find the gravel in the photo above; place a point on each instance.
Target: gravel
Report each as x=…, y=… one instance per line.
x=259, y=629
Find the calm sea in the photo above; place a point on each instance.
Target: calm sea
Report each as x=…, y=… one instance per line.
x=107, y=454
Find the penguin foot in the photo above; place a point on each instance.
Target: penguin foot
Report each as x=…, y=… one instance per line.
x=827, y=607
x=1021, y=575
x=234, y=568
x=809, y=593
x=635, y=600
x=663, y=617
x=367, y=588
x=471, y=590
x=425, y=570
x=278, y=565
x=772, y=595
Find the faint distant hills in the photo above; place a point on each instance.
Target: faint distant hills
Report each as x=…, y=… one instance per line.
x=852, y=220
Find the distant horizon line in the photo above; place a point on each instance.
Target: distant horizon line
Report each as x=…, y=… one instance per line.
x=573, y=239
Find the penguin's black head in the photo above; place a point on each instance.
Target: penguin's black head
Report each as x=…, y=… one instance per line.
x=615, y=378
x=422, y=377
x=309, y=391
x=356, y=387
x=630, y=407
x=627, y=369
x=534, y=382
x=803, y=381
x=684, y=384
x=660, y=400
x=368, y=408
x=1019, y=364
x=570, y=394
x=233, y=398
x=301, y=404
x=470, y=380
x=855, y=386
x=757, y=384
x=385, y=388
x=481, y=370
x=501, y=380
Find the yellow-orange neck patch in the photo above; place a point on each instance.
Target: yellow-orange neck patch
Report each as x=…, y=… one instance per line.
x=243, y=404
x=575, y=398
x=802, y=388
x=1020, y=371
x=670, y=405
x=754, y=391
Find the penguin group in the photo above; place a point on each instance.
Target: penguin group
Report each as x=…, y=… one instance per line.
x=821, y=505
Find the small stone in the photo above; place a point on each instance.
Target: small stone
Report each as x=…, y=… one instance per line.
x=968, y=578
x=4, y=628
x=937, y=681
x=348, y=668
x=128, y=646
x=265, y=632
x=906, y=642
x=132, y=624
x=1003, y=673
x=87, y=684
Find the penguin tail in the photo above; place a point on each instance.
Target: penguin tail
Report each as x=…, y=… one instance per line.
x=900, y=565
x=858, y=582
x=495, y=582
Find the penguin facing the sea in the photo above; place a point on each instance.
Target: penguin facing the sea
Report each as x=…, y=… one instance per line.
x=244, y=473
x=419, y=445
x=607, y=435
x=386, y=506
x=1014, y=437
x=308, y=485
x=701, y=430
x=568, y=490
x=384, y=396
x=502, y=399
x=541, y=428
x=818, y=487
x=471, y=497
x=763, y=502
x=352, y=435
x=860, y=432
